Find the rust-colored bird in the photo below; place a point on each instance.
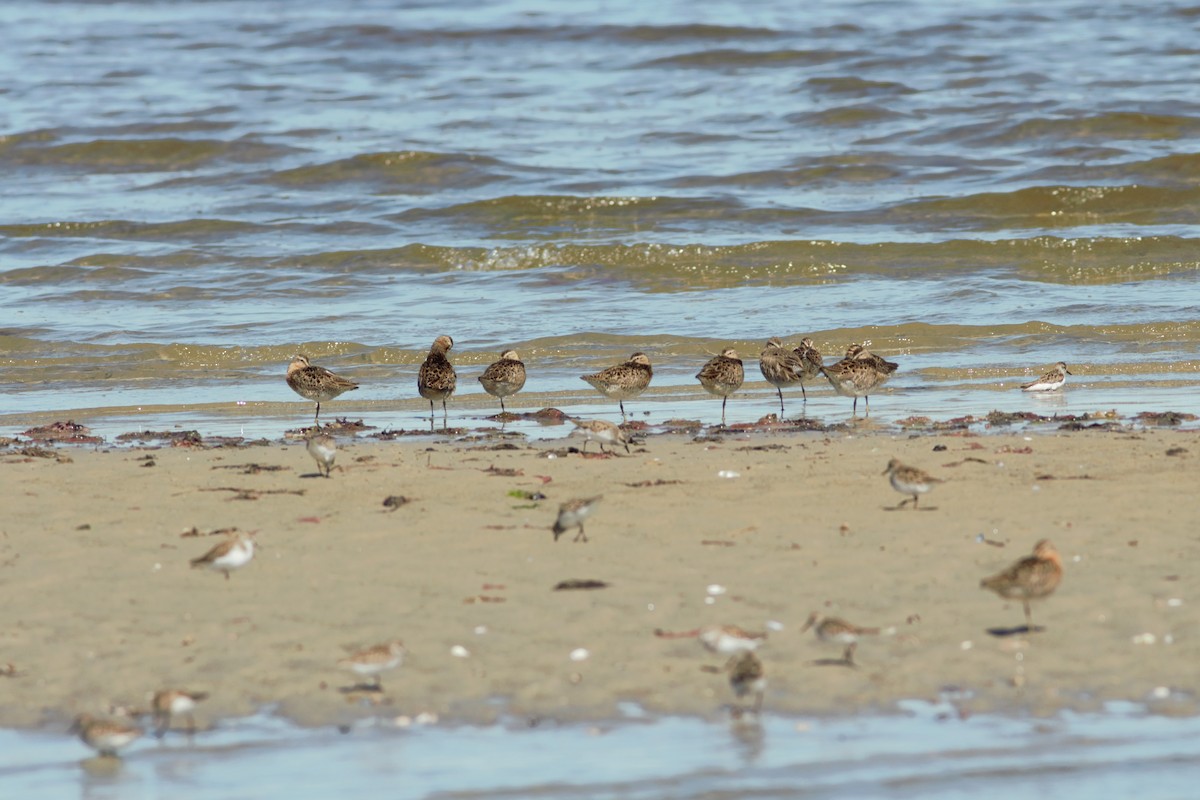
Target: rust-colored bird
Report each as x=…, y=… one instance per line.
x=1030, y=578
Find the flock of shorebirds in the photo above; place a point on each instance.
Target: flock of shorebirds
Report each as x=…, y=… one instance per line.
x=856, y=375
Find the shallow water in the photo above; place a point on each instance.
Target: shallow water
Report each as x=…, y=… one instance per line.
x=205, y=188
x=926, y=751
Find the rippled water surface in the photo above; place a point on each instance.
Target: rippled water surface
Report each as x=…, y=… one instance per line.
x=195, y=191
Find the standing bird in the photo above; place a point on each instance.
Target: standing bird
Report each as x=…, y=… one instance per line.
x=1052, y=381
x=233, y=553
x=170, y=702
x=375, y=660
x=909, y=480
x=1030, y=578
x=810, y=363
x=730, y=640
x=104, y=736
x=316, y=383
x=858, y=374
x=505, y=377
x=722, y=376
x=746, y=675
x=571, y=514
x=602, y=431
x=323, y=448
x=780, y=367
x=437, y=379
x=833, y=629
x=623, y=381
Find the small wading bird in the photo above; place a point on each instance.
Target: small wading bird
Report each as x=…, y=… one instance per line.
x=316, y=383
x=1052, y=381
x=104, y=736
x=436, y=379
x=858, y=375
x=909, y=480
x=323, y=448
x=602, y=431
x=722, y=376
x=571, y=514
x=233, y=553
x=169, y=703
x=838, y=631
x=374, y=661
x=1031, y=578
x=623, y=381
x=746, y=676
x=780, y=366
x=504, y=378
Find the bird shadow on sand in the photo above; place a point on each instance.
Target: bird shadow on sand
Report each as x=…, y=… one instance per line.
x=1015, y=631
x=902, y=507
x=313, y=475
x=361, y=688
x=833, y=662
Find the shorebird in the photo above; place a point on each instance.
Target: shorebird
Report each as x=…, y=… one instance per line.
x=571, y=514
x=323, y=448
x=858, y=374
x=437, y=379
x=169, y=702
x=722, y=376
x=810, y=363
x=833, y=629
x=233, y=553
x=730, y=640
x=504, y=378
x=375, y=660
x=316, y=383
x=780, y=366
x=746, y=675
x=602, y=431
x=623, y=381
x=1030, y=578
x=909, y=480
x=1053, y=380
x=104, y=736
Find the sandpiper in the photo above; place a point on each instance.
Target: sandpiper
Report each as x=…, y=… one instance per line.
x=602, y=431
x=170, y=702
x=623, y=381
x=504, y=378
x=1030, y=578
x=375, y=660
x=437, y=379
x=730, y=640
x=316, y=383
x=909, y=480
x=1052, y=381
x=810, y=363
x=860, y=352
x=233, y=553
x=104, y=736
x=833, y=629
x=746, y=675
x=323, y=448
x=780, y=366
x=856, y=376
x=722, y=376
x=571, y=514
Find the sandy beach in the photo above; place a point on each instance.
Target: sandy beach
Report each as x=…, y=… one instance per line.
x=754, y=528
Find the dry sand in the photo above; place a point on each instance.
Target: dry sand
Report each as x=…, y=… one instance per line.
x=101, y=607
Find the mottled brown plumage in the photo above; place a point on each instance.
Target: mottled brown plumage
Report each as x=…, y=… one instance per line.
x=746, y=675
x=504, y=378
x=839, y=631
x=722, y=375
x=436, y=379
x=780, y=366
x=316, y=383
x=623, y=381
x=1030, y=578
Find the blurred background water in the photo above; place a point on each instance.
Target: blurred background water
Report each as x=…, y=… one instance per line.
x=197, y=190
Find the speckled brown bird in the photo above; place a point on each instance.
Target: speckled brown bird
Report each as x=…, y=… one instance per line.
x=623, y=381
x=722, y=376
x=1030, y=578
x=316, y=383
x=838, y=631
x=504, y=378
x=437, y=379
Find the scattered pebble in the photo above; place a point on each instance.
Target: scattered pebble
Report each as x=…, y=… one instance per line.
x=716, y=588
x=458, y=651
x=1160, y=693
x=967, y=645
x=773, y=625
x=1145, y=638
x=480, y=630
x=579, y=654
x=728, y=473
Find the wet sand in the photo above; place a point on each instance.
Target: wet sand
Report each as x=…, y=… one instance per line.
x=102, y=608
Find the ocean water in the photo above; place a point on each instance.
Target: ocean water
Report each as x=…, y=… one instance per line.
x=924, y=751
x=196, y=191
